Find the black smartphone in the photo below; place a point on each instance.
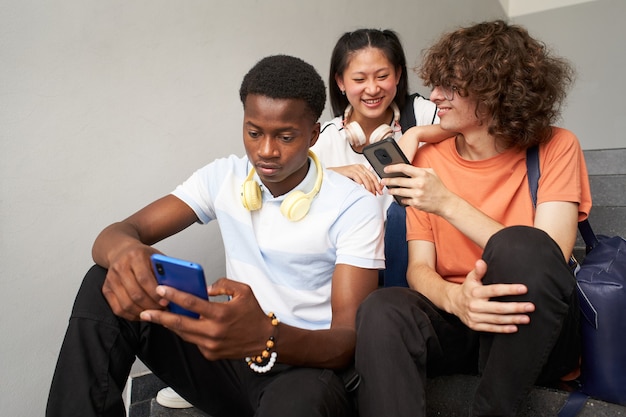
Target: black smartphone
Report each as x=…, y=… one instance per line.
x=180, y=274
x=385, y=152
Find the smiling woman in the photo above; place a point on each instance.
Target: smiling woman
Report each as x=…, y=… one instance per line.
x=368, y=90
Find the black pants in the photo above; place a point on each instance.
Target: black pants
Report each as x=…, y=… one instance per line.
x=99, y=349
x=402, y=337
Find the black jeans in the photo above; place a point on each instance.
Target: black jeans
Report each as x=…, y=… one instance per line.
x=99, y=349
x=402, y=338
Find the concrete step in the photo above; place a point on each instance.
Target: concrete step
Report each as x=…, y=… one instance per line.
x=157, y=410
x=448, y=396
x=451, y=396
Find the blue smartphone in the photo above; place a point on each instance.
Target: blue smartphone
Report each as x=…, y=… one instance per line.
x=180, y=274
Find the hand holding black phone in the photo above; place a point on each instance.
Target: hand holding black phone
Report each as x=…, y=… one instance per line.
x=386, y=152
x=183, y=275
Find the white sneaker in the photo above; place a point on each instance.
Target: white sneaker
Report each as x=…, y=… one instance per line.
x=169, y=398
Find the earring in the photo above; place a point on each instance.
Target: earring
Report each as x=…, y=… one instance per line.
x=343, y=92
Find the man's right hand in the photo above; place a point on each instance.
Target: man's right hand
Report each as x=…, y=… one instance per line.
x=475, y=306
x=124, y=248
x=130, y=284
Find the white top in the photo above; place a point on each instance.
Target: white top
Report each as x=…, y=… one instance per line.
x=289, y=265
x=334, y=150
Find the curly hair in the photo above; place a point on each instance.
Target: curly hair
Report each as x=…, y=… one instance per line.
x=351, y=42
x=286, y=77
x=513, y=77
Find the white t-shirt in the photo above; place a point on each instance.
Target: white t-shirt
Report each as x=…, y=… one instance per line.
x=289, y=265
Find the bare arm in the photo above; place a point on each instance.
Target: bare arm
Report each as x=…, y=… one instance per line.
x=470, y=301
x=333, y=348
x=361, y=174
x=559, y=219
x=409, y=142
x=124, y=248
x=239, y=328
x=426, y=192
x=411, y=139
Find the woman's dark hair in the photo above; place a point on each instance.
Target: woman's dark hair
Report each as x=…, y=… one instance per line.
x=286, y=77
x=349, y=43
x=513, y=77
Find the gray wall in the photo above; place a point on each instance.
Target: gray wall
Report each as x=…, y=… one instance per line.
x=592, y=36
x=107, y=105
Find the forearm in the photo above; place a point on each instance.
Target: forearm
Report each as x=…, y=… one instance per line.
x=410, y=140
x=470, y=221
x=158, y=220
x=408, y=144
x=332, y=348
x=113, y=240
x=430, y=284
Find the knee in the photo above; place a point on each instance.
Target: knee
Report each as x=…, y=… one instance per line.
x=527, y=255
x=385, y=311
x=89, y=297
x=375, y=306
x=95, y=276
x=522, y=248
x=306, y=392
x=522, y=244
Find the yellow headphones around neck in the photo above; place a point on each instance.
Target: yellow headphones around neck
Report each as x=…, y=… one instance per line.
x=354, y=131
x=295, y=206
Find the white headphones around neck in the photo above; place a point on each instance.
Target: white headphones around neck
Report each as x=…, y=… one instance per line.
x=295, y=206
x=354, y=131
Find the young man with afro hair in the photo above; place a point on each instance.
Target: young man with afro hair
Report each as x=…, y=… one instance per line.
x=303, y=246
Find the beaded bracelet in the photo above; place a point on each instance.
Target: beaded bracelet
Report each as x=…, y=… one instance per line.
x=266, y=360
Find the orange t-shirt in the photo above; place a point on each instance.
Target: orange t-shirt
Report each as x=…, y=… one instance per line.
x=498, y=187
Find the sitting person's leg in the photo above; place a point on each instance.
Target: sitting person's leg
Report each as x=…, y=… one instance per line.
x=99, y=349
x=512, y=363
x=302, y=392
x=401, y=339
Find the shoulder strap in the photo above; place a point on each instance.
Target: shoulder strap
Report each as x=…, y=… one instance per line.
x=573, y=404
x=407, y=114
x=590, y=238
x=575, y=400
x=532, y=167
x=534, y=173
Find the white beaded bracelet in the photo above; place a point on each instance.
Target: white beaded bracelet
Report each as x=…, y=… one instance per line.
x=265, y=368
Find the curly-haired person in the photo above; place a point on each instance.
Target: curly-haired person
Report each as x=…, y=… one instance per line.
x=491, y=291
x=302, y=244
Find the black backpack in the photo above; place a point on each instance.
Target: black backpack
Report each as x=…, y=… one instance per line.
x=407, y=114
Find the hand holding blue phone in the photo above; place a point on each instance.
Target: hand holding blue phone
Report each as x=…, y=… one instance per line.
x=180, y=274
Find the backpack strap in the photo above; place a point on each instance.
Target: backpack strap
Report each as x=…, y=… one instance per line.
x=407, y=114
x=532, y=167
x=573, y=404
x=590, y=238
x=575, y=400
